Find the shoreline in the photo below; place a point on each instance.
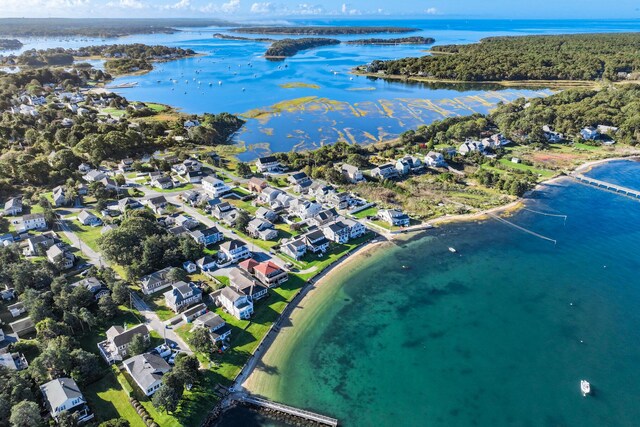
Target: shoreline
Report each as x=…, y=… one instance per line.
x=318, y=294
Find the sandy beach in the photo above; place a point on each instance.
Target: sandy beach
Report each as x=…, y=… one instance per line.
x=263, y=381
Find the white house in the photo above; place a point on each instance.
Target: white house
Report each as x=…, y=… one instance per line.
x=87, y=218
x=351, y=173
x=589, y=133
x=268, y=164
x=235, y=303
x=64, y=395
x=13, y=207
x=435, y=160
x=34, y=222
x=116, y=346
x=147, y=370
x=215, y=187
x=182, y=295
x=394, y=217
x=235, y=250
x=386, y=171
x=60, y=257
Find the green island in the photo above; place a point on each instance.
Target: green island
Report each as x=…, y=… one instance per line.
x=84, y=161
x=69, y=27
x=289, y=47
x=323, y=31
x=10, y=44
x=240, y=38
x=563, y=57
x=394, y=41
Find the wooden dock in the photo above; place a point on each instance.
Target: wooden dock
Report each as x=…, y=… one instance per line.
x=308, y=415
x=618, y=189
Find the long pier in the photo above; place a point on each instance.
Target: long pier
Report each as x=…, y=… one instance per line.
x=618, y=189
x=296, y=412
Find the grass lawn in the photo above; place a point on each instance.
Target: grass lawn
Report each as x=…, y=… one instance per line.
x=266, y=245
x=108, y=400
x=114, y=112
x=156, y=303
x=158, y=108
x=246, y=206
x=183, y=187
x=89, y=235
x=127, y=316
x=372, y=211
x=520, y=166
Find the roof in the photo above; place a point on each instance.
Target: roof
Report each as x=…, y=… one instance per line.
x=299, y=175
x=195, y=309
x=146, y=369
x=232, y=245
x=349, y=168
x=267, y=268
x=58, y=391
x=158, y=200
x=33, y=216
x=90, y=283
x=240, y=280
x=16, y=202
x=230, y=294
x=210, y=320
x=267, y=159
x=205, y=260
x=257, y=181
x=54, y=251
x=119, y=336
x=248, y=264
x=85, y=215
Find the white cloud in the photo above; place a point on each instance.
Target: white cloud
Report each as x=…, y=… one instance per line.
x=127, y=4
x=269, y=8
x=262, y=8
x=232, y=6
x=347, y=10
x=181, y=5
x=431, y=11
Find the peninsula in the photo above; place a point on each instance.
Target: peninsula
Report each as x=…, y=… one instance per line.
x=396, y=41
x=10, y=44
x=323, y=31
x=289, y=47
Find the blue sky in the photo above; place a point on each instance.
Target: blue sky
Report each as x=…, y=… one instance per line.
x=261, y=9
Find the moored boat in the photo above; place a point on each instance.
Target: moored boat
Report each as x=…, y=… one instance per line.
x=585, y=387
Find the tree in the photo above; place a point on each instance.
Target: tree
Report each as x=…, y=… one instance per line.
x=108, y=308
x=187, y=367
x=84, y=366
x=25, y=414
x=120, y=293
x=243, y=169
x=138, y=345
x=200, y=340
x=170, y=392
x=242, y=221
x=177, y=275
x=116, y=422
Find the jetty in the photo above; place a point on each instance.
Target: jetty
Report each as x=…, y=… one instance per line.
x=618, y=189
x=290, y=410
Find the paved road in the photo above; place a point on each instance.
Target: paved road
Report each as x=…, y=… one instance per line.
x=94, y=257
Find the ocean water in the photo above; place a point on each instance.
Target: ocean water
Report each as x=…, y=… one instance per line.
x=498, y=334
x=342, y=107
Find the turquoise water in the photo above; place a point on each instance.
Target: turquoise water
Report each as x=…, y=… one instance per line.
x=499, y=334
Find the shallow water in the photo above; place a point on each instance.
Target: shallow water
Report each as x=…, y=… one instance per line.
x=499, y=334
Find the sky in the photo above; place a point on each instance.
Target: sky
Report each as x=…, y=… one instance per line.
x=259, y=10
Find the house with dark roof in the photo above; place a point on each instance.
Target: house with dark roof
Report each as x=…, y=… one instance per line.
x=296, y=248
x=235, y=250
x=156, y=281
x=316, y=241
x=192, y=313
x=95, y=286
x=336, y=232
x=64, y=395
x=147, y=370
x=217, y=327
x=116, y=346
x=386, y=171
x=299, y=178
x=162, y=182
x=268, y=164
x=158, y=204
x=182, y=295
x=394, y=217
x=247, y=285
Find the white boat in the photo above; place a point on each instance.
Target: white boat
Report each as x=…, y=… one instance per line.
x=585, y=387
x=452, y=250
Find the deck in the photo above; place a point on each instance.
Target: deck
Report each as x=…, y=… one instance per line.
x=308, y=415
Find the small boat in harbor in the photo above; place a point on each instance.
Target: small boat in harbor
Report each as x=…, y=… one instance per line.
x=452, y=250
x=585, y=387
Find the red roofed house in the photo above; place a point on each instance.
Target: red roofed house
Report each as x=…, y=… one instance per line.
x=268, y=273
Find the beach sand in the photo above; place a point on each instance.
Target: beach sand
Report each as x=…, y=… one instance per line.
x=262, y=381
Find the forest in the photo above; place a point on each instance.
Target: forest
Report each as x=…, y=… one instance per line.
x=402, y=40
x=64, y=27
x=323, y=31
x=289, y=47
x=611, y=57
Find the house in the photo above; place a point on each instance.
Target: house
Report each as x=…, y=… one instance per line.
x=338, y=200
x=128, y=203
x=300, y=179
x=192, y=313
x=603, y=129
x=147, y=370
x=125, y=165
x=220, y=210
x=94, y=175
x=394, y=217
x=13, y=361
x=336, y=232
x=186, y=221
x=256, y=185
x=84, y=168
x=83, y=189
x=235, y=250
x=235, y=303
x=64, y=395
x=386, y=171
x=356, y=228
x=87, y=218
x=215, y=187
x=269, y=195
x=409, y=164
x=158, y=204
x=217, y=327
x=34, y=222
x=207, y=236
x=195, y=177
x=351, y=173
x=177, y=230
x=266, y=214
x=190, y=267
x=267, y=272
x=324, y=217
x=206, y=263
x=39, y=243
x=551, y=135
x=95, y=286
x=190, y=196
x=13, y=207
x=247, y=285
x=23, y=326
x=162, y=182
x=589, y=133
x=191, y=124
x=109, y=183
x=515, y=160
x=262, y=229
x=17, y=309
x=296, y=248
x=268, y=164
x=156, y=281
x=320, y=190
x=116, y=347
x=470, y=146
x=435, y=160
x=304, y=209
x=60, y=257
x=316, y=241
x=182, y=295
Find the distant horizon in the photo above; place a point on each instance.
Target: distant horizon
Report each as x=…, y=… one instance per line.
x=245, y=19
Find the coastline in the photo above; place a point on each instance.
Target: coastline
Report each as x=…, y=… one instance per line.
x=317, y=297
